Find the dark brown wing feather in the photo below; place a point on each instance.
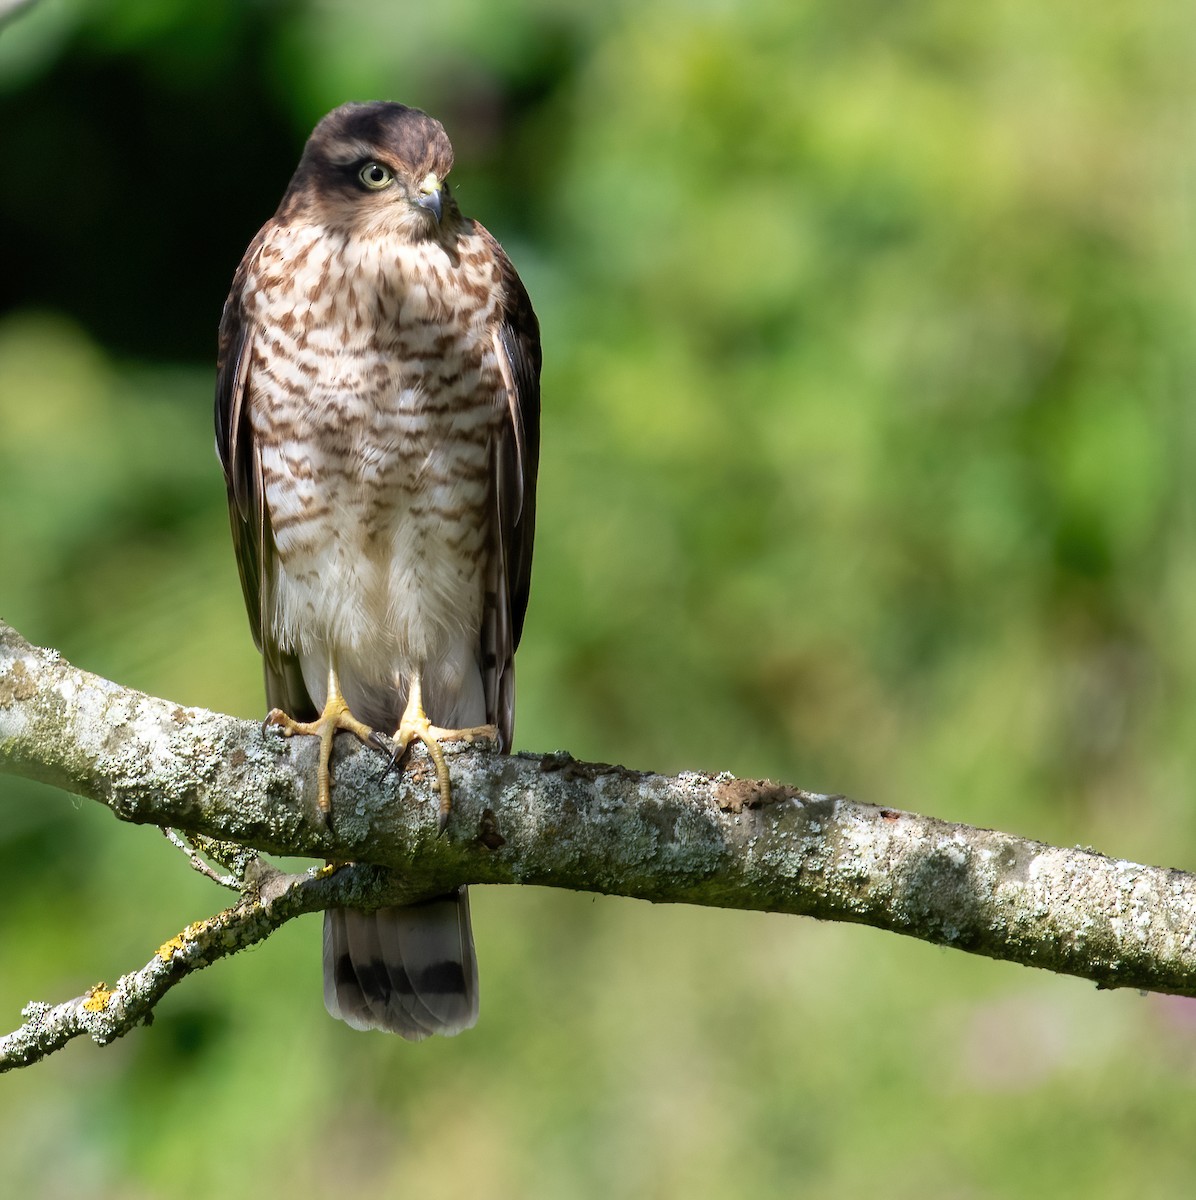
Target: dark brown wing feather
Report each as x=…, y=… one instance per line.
x=517, y=342
x=252, y=540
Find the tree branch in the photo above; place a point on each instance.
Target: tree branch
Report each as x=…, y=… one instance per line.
x=105, y=1013
x=551, y=820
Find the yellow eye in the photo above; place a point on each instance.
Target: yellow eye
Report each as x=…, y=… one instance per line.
x=375, y=176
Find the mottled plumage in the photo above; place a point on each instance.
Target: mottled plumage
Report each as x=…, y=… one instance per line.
x=377, y=415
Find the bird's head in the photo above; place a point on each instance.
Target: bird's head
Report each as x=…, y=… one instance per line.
x=377, y=167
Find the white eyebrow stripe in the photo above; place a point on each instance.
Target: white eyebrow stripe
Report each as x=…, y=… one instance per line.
x=353, y=151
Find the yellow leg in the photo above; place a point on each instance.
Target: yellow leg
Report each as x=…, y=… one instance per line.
x=415, y=725
x=336, y=715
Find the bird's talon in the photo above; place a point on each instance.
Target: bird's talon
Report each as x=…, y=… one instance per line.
x=277, y=719
x=336, y=716
x=392, y=762
x=381, y=742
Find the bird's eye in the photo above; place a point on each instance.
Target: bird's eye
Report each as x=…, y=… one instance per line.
x=375, y=176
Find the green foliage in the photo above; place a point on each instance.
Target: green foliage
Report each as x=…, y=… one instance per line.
x=867, y=458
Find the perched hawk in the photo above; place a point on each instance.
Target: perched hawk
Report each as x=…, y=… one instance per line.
x=377, y=417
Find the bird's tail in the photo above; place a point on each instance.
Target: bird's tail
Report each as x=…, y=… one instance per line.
x=410, y=970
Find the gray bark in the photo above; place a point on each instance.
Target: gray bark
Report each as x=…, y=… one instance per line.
x=548, y=819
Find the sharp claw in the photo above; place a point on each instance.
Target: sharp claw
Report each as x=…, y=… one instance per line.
x=394, y=752
x=381, y=742
x=390, y=766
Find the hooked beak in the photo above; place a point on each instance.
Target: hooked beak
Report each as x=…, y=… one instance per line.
x=431, y=196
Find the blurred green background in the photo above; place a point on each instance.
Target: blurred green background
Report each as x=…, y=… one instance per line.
x=867, y=465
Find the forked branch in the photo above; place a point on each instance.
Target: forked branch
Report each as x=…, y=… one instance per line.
x=550, y=820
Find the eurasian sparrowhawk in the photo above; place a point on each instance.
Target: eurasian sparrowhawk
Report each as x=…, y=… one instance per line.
x=377, y=417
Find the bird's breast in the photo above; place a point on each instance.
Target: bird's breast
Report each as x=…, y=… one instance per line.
x=374, y=398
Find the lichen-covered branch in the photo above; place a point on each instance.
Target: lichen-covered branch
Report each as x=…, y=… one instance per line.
x=550, y=820
x=105, y=1013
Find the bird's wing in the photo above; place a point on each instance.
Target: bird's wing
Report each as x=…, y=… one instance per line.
x=239, y=456
x=517, y=454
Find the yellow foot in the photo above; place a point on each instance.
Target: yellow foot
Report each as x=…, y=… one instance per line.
x=336, y=715
x=415, y=726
